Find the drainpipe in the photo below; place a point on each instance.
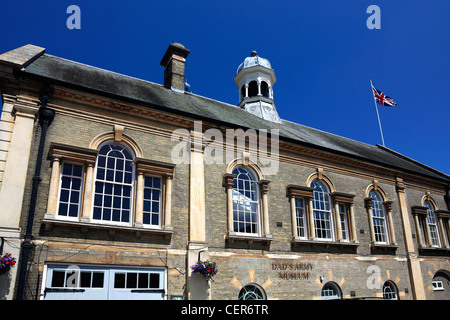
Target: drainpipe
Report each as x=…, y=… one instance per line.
x=45, y=119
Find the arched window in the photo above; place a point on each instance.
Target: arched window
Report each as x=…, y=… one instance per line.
x=265, y=89
x=390, y=291
x=253, y=89
x=114, y=181
x=251, y=292
x=441, y=285
x=331, y=291
x=379, y=218
x=323, y=219
x=432, y=224
x=246, y=209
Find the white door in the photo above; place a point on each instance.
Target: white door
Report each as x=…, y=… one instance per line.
x=136, y=284
x=103, y=283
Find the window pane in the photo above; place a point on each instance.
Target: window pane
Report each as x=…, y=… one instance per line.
x=97, y=279
x=155, y=219
x=109, y=175
x=117, y=202
x=147, y=206
x=116, y=215
x=73, y=210
x=75, y=197
x=98, y=200
x=119, y=280
x=101, y=161
x=148, y=182
x=85, y=279
x=128, y=177
x=126, y=203
x=107, y=201
x=154, y=280
x=131, y=280
x=106, y=214
x=62, y=211
x=146, y=219
x=97, y=213
x=65, y=182
x=119, y=165
x=58, y=279
x=143, y=281
x=101, y=174
x=67, y=169
x=126, y=191
x=64, y=196
x=77, y=171
x=108, y=188
x=125, y=216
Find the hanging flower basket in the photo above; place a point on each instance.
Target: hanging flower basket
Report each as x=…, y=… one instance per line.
x=6, y=262
x=206, y=269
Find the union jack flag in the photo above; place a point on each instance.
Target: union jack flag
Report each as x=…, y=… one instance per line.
x=382, y=99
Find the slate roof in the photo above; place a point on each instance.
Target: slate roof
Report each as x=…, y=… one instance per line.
x=103, y=82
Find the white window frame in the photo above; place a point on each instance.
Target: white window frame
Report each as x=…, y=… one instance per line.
x=343, y=215
x=322, y=196
x=331, y=287
x=392, y=293
x=300, y=216
x=104, y=181
x=438, y=285
x=256, y=202
x=160, y=201
x=432, y=222
x=379, y=214
x=61, y=175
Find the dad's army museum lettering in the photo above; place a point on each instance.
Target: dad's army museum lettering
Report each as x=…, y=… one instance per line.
x=293, y=270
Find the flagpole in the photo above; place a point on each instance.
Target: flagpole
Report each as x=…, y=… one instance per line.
x=376, y=108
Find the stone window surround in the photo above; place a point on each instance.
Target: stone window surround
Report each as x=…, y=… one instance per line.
x=443, y=221
x=306, y=193
x=265, y=235
x=86, y=157
x=392, y=243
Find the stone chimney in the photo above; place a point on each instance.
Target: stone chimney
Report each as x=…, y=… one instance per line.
x=174, y=61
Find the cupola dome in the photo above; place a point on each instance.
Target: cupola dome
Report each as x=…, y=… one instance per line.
x=254, y=60
x=255, y=79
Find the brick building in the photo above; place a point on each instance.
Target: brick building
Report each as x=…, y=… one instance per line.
x=112, y=187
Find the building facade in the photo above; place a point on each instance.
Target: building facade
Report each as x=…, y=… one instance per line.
x=112, y=188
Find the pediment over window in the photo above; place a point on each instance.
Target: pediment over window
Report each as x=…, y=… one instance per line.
x=154, y=167
x=72, y=153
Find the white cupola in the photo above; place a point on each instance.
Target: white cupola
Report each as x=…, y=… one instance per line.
x=255, y=79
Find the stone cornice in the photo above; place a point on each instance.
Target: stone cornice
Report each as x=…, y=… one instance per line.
x=300, y=154
x=106, y=103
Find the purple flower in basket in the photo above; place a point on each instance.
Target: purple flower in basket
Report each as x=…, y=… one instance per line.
x=206, y=269
x=6, y=262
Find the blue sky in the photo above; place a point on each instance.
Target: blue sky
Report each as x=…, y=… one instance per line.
x=322, y=52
